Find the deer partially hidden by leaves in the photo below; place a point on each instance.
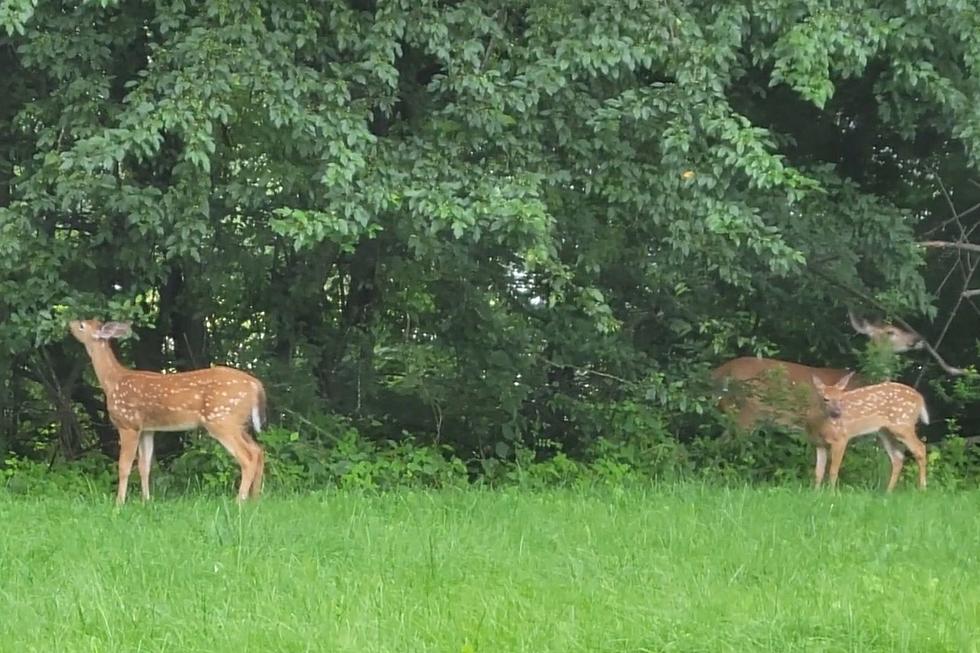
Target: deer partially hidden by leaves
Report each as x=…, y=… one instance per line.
x=891, y=408
x=755, y=390
x=222, y=400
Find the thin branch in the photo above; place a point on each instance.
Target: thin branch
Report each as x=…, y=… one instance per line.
x=959, y=259
x=959, y=216
x=949, y=274
x=589, y=370
x=949, y=369
x=945, y=244
x=952, y=314
x=946, y=195
x=307, y=422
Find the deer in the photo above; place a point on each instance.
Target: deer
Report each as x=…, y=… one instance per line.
x=756, y=389
x=892, y=409
x=222, y=400
x=765, y=379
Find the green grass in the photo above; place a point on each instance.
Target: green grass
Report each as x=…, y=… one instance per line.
x=677, y=568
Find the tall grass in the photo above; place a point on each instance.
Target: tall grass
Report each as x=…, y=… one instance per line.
x=673, y=568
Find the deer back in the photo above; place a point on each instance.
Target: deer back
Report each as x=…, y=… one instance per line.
x=183, y=400
x=883, y=405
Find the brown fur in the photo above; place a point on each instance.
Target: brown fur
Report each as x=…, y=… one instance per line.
x=219, y=399
x=891, y=408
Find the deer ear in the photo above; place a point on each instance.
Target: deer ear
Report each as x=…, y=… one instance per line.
x=113, y=330
x=818, y=383
x=860, y=324
x=840, y=385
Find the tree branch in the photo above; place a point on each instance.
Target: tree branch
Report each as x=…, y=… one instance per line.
x=588, y=370
x=945, y=244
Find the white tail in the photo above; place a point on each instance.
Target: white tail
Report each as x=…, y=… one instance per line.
x=892, y=408
x=220, y=399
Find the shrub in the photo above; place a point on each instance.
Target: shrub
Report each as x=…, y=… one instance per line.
x=83, y=477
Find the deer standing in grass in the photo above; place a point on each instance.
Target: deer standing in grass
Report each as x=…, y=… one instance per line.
x=220, y=399
x=892, y=408
x=755, y=390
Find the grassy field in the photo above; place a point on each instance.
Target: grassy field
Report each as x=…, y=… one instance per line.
x=677, y=568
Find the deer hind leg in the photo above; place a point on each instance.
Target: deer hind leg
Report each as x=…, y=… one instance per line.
x=259, y=456
x=907, y=436
x=145, y=461
x=748, y=414
x=821, y=466
x=233, y=438
x=896, y=456
x=128, y=439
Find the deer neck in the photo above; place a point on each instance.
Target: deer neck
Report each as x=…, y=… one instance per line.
x=108, y=369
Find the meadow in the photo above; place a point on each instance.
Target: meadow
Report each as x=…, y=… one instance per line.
x=683, y=567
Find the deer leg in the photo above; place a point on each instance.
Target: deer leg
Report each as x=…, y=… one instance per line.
x=821, y=466
x=895, y=455
x=128, y=439
x=232, y=438
x=837, y=450
x=917, y=447
x=145, y=460
x=745, y=418
x=258, y=455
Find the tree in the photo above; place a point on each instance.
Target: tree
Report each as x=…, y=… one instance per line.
x=480, y=222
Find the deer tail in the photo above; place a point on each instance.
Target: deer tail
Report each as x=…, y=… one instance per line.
x=259, y=409
x=924, y=415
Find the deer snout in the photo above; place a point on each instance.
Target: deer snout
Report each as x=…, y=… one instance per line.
x=905, y=340
x=834, y=409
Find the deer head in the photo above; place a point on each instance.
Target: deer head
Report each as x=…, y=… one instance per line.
x=832, y=399
x=91, y=330
x=899, y=339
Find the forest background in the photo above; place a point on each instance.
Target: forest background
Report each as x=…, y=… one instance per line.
x=481, y=240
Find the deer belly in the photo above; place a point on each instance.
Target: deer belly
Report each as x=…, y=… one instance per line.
x=170, y=420
x=857, y=429
x=182, y=426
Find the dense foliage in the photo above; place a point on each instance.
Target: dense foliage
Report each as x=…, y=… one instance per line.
x=495, y=227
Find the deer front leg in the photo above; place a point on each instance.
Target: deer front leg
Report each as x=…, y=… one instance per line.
x=128, y=439
x=837, y=450
x=821, y=466
x=145, y=461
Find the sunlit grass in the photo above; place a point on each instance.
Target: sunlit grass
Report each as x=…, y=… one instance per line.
x=675, y=568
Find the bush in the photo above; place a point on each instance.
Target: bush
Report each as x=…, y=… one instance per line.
x=332, y=454
x=329, y=452
x=83, y=477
